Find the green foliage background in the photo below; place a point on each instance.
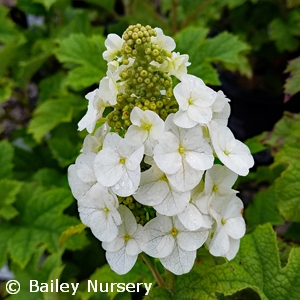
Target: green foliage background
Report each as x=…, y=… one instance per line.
x=46, y=68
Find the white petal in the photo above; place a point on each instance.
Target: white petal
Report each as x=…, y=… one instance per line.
x=219, y=244
x=200, y=114
x=84, y=165
x=192, y=240
x=186, y=178
x=153, y=189
x=191, y=217
x=179, y=261
x=114, y=245
x=107, y=167
x=235, y=227
x=157, y=239
x=174, y=202
x=182, y=119
x=120, y=261
x=128, y=183
x=129, y=222
x=78, y=187
x=233, y=249
x=133, y=247
x=166, y=154
x=135, y=135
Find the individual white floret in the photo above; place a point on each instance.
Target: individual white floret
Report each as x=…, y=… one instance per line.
x=155, y=190
x=95, y=110
x=93, y=143
x=183, y=155
x=122, y=252
x=113, y=44
x=193, y=217
x=78, y=187
x=167, y=239
x=81, y=175
x=195, y=101
x=109, y=88
x=218, y=182
x=175, y=65
x=165, y=42
x=146, y=128
x=98, y=210
x=230, y=225
x=117, y=165
x=234, y=154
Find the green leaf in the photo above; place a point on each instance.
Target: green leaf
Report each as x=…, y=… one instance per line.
x=159, y=293
x=289, y=154
x=52, y=86
x=6, y=87
x=288, y=192
x=53, y=112
x=107, y=4
x=42, y=270
x=47, y=3
x=256, y=266
x=40, y=222
x=29, y=67
x=9, y=34
x=281, y=134
x=255, y=144
x=263, y=209
x=6, y=157
x=86, y=54
x=224, y=48
x=8, y=192
x=285, y=31
x=292, y=84
x=78, y=229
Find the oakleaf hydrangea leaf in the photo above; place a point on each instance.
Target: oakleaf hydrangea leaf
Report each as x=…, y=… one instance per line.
x=256, y=266
x=288, y=191
x=9, y=190
x=49, y=269
x=44, y=119
x=292, y=84
x=224, y=48
x=40, y=222
x=83, y=52
x=263, y=209
x=6, y=157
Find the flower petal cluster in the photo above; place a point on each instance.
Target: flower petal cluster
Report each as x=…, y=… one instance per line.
x=123, y=250
x=147, y=178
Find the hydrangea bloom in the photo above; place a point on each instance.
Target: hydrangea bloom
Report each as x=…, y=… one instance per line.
x=146, y=179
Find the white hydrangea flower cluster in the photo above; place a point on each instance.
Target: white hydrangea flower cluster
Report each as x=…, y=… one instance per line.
x=147, y=179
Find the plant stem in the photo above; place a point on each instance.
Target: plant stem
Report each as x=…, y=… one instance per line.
x=170, y=280
x=174, y=15
x=153, y=269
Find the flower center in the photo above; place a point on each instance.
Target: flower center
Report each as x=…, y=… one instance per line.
x=127, y=237
x=226, y=152
x=122, y=160
x=215, y=188
x=181, y=149
x=191, y=101
x=106, y=210
x=146, y=126
x=174, y=231
x=223, y=221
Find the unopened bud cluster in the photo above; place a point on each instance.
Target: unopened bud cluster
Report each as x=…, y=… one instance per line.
x=146, y=179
